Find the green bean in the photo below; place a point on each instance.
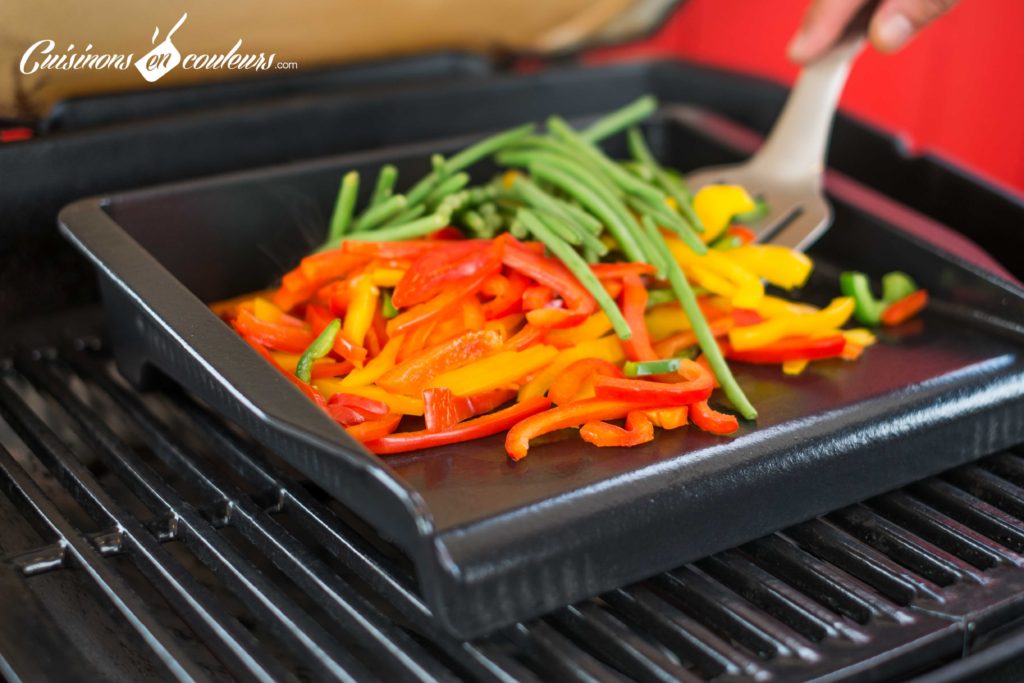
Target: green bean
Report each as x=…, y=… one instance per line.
x=621, y=231
x=452, y=203
x=669, y=220
x=407, y=231
x=580, y=171
x=578, y=267
x=486, y=148
x=706, y=340
x=409, y=214
x=475, y=223
x=560, y=148
x=418, y=192
x=672, y=186
x=320, y=347
x=639, y=170
x=483, y=193
x=518, y=230
x=449, y=185
x=344, y=205
x=656, y=258
x=437, y=163
x=627, y=116
x=541, y=200
x=386, y=178
x=380, y=213
x=590, y=256
x=582, y=217
x=622, y=178
x=558, y=227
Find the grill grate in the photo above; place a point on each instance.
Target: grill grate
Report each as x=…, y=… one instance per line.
x=144, y=528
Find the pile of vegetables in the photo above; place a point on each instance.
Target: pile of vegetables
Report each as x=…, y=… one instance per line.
x=570, y=291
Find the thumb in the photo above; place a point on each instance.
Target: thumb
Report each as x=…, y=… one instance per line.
x=897, y=21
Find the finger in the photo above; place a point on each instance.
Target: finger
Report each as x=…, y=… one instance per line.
x=897, y=21
x=822, y=26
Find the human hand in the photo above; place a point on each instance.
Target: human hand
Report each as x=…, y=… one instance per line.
x=893, y=23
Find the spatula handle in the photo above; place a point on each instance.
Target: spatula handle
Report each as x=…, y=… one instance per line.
x=795, y=148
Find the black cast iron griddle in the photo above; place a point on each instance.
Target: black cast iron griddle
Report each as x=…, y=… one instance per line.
x=494, y=541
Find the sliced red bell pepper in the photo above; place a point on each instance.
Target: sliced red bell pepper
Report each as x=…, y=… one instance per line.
x=277, y=336
x=697, y=387
x=372, y=430
x=331, y=369
x=310, y=391
x=550, y=273
x=537, y=296
x=345, y=415
x=639, y=429
x=442, y=408
x=634, y=306
x=711, y=420
x=507, y=293
x=370, y=408
x=439, y=410
x=572, y=380
x=793, y=348
x=408, y=249
x=478, y=427
x=617, y=271
x=318, y=269
x=433, y=271
x=530, y=334
x=411, y=375
x=517, y=441
x=904, y=309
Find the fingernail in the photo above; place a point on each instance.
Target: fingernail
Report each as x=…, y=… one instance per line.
x=797, y=49
x=893, y=32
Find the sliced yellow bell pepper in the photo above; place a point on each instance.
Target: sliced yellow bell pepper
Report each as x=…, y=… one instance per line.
x=387, y=277
x=593, y=327
x=794, y=367
x=288, y=361
x=716, y=272
x=716, y=205
x=781, y=266
x=384, y=361
x=774, y=307
x=361, y=308
x=266, y=311
x=495, y=371
x=833, y=316
x=396, y=403
x=861, y=336
x=665, y=320
x=606, y=348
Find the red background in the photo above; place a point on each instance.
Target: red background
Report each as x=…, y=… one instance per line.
x=957, y=89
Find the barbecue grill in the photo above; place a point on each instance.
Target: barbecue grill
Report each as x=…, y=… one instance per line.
x=142, y=536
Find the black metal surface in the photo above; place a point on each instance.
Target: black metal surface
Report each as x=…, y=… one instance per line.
x=154, y=508
x=494, y=541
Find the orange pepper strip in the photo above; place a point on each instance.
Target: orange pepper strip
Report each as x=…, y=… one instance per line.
x=361, y=307
x=280, y=337
x=372, y=430
x=711, y=420
x=634, y=305
x=478, y=427
x=384, y=361
x=495, y=371
x=905, y=309
x=517, y=441
x=639, y=429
